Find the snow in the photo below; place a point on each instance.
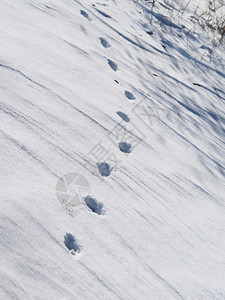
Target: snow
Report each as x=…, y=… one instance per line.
x=81, y=80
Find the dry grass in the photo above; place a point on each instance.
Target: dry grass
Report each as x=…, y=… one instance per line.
x=212, y=19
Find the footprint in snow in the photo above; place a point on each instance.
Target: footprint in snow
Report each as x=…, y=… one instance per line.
x=123, y=116
x=94, y=205
x=71, y=244
x=86, y=15
x=125, y=147
x=112, y=65
x=129, y=95
x=104, y=169
x=104, y=42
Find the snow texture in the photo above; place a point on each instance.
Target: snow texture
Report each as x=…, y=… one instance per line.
x=78, y=78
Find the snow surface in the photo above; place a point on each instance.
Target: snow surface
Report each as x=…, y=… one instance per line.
x=76, y=75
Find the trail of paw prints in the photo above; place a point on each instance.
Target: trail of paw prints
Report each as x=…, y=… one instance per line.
x=70, y=241
x=104, y=168
x=113, y=65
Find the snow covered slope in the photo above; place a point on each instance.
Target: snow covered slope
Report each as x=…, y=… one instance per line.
x=132, y=102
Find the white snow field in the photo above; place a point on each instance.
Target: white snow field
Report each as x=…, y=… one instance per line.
x=112, y=170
